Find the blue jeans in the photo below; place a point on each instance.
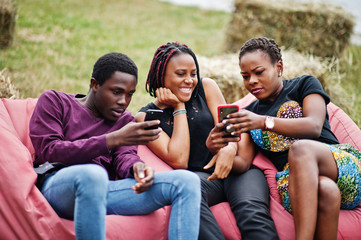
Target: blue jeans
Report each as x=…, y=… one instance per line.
x=84, y=193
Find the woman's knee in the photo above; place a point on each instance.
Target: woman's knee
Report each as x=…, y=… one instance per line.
x=251, y=184
x=329, y=195
x=300, y=148
x=300, y=151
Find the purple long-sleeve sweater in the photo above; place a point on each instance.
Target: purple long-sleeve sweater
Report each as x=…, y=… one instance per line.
x=63, y=130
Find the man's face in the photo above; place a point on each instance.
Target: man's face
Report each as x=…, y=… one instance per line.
x=114, y=96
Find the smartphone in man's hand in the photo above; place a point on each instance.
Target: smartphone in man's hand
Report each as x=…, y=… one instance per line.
x=153, y=114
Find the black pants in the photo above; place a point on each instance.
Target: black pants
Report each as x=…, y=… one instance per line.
x=248, y=196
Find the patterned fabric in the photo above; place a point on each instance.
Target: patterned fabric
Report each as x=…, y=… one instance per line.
x=282, y=188
x=348, y=160
x=275, y=142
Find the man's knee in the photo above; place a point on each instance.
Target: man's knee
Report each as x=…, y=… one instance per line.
x=190, y=182
x=92, y=178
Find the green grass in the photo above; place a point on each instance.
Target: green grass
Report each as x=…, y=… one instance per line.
x=350, y=76
x=58, y=41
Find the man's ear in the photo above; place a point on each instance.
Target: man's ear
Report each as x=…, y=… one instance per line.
x=94, y=85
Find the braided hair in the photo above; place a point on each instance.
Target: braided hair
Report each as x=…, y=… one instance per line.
x=264, y=44
x=106, y=65
x=159, y=63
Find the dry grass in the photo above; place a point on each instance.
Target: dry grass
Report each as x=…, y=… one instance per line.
x=7, y=22
x=7, y=89
x=225, y=71
x=320, y=29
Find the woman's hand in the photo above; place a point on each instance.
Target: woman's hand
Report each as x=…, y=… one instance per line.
x=224, y=162
x=244, y=121
x=166, y=97
x=144, y=175
x=216, y=139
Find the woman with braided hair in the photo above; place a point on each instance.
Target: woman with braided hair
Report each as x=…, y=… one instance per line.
x=189, y=105
x=289, y=124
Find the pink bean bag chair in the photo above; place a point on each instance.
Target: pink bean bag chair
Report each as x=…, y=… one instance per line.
x=25, y=213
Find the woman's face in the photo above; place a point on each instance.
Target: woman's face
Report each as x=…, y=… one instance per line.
x=260, y=76
x=181, y=76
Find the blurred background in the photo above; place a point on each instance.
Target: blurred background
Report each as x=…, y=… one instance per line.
x=53, y=44
x=353, y=7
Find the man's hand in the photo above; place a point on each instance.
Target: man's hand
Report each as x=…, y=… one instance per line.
x=144, y=175
x=133, y=134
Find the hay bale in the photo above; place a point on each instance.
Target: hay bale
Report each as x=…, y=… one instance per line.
x=7, y=22
x=225, y=71
x=317, y=28
x=7, y=89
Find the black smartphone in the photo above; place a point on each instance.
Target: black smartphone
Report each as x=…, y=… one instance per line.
x=153, y=114
x=223, y=111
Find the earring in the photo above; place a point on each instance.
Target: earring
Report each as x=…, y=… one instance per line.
x=279, y=74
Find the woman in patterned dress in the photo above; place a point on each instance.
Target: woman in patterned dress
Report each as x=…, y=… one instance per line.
x=289, y=124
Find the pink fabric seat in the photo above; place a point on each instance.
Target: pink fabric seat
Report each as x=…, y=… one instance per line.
x=25, y=213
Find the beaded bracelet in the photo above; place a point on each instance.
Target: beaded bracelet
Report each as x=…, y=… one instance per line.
x=179, y=111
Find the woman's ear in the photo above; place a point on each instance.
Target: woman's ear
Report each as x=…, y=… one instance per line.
x=279, y=65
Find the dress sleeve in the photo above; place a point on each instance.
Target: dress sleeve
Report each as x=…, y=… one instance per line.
x=47, y=136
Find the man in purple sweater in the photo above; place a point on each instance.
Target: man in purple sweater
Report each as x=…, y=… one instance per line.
x=96, y=138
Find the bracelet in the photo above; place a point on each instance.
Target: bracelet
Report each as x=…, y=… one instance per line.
x=179, y=111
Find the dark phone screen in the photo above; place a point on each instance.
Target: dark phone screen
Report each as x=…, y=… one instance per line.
x=224, y=111
x=222, y=114
x=153, y=114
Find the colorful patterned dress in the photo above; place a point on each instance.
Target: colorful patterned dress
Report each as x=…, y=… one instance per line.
x=348, y=160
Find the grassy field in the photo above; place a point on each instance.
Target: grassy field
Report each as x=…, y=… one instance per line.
x=58, y=41
x=350, y=77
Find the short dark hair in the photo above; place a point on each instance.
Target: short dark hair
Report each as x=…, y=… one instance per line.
x=106, y=65
x=159, y=63
x=268, y=46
